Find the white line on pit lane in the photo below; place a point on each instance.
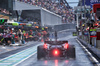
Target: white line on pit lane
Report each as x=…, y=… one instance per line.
x=17, y=53
x=89, y=53
x=24, y=59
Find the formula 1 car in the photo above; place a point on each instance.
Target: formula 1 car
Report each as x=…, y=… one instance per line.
x=56, y=49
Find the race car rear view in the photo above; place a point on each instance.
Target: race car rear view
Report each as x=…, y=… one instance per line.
x=56, y=49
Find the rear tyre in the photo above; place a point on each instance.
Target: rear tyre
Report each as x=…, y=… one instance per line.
x=40, y=52
x=71, y=52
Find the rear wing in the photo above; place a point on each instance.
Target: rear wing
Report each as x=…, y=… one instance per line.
x=55, y=42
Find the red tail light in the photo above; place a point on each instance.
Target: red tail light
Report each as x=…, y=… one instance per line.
x=56, y=52
x=45, y=46
x=66, y=46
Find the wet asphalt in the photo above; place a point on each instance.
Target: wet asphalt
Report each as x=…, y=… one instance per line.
x=82, y=58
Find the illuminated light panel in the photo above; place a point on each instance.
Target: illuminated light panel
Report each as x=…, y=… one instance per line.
x=56, y=52
x=45, y=46
x=66, y=46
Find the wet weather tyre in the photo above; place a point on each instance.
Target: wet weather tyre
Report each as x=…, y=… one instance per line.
x=71, y=52
x=40, y=52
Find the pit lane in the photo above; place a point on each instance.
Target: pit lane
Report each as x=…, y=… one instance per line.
x=28, y=57
x=82, y=58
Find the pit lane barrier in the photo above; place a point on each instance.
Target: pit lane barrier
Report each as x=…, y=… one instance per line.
x=91, y=48
x=94, y=60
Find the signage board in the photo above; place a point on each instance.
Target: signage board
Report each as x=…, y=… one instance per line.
x=94, y=2
x=86, y=2
x=15, y=24
x=74, y=33
x=2, y=21
x=95, y=7
x=90, y=2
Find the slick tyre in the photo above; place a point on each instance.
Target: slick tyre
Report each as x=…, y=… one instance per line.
x=40, y=52
x=71, y=52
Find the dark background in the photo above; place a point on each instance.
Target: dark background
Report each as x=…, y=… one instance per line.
x=6, y=4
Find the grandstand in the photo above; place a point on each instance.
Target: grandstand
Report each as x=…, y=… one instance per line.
x=60, y=7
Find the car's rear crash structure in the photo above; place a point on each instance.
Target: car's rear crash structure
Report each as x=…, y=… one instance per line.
x=56, y=49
